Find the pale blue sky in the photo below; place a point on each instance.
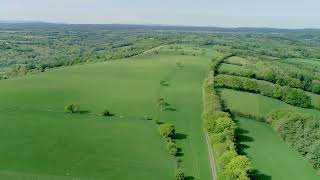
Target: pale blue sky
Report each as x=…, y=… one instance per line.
x=223, y=13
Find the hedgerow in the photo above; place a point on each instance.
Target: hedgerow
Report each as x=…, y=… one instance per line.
x=301, y=131
x=287, y=94
x=277, y=73
x=221, y=130
x=217, y=61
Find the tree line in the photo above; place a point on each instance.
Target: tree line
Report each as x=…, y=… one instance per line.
x=284, y=75
x=221, y=130
x=287, y=94
x=301, y=131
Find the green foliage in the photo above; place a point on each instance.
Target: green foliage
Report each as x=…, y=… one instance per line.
x=275, y=72
x=180, y=174
x=166, y=130
x=301, y=131
x=172, y=148
x=221, y=130
x=217, y=61
x=161, y=103
x=106, y=113
x=289, y=95
x=72, y=108
x=164, y=83
x=226, y=158
x=237, y=169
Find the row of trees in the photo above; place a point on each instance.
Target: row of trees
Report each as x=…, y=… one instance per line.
x=221, y=130
x=215, y=62
x=287, y=94
x=75, y=108
x=301, y=131
x=284, y=75
x=167, y=131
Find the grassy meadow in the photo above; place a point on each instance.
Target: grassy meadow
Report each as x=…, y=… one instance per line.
x=41, y=141
x=256, y=104
x=270, y=156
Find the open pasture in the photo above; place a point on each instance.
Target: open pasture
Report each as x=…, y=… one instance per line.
x=271, y=157
x=39, y=140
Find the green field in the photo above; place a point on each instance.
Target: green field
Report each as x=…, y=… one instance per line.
x=256, y=104
x=40, y=141
x=229, y=67
x=271, y=157
x=237, y=60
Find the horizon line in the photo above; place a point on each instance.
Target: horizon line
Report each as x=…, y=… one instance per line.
x=152, y=24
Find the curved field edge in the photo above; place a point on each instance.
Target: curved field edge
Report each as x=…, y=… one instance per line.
x=130, y=89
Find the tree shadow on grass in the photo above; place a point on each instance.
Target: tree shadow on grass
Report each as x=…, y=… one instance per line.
x=84, y=112
x=179, y=153
x=244, y=138
x=241, y=139
x=257, y=175
x=241, y=148
x=171, y=109
x=189, y=178
x=179, y=136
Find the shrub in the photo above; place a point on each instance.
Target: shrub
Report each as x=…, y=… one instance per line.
x=106, y=113
x=227, y=157
x=166, y=130
x=172, y=148
x=316, y=87
x=238, y=169
x=161, y=103
x=300, y=131
x=72, y=108
x=180, y=174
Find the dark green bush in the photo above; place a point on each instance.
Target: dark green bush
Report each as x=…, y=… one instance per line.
x=106, y=113
x=172, y=148
x=72, y=108
x=166, y=130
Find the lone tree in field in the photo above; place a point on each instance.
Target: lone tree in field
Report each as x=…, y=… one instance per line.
x=106, y=113
x=164, y=83
x=167, y=130
x=72, y=108
x=161, y=103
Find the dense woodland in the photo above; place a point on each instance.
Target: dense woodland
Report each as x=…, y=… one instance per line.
x=36, y=46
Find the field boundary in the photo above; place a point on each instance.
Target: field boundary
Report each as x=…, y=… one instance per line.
x=211, y=158
x=210, y=150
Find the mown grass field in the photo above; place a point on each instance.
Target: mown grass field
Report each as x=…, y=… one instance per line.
x=256, y=104
x=273, y=158
x=40, y=141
